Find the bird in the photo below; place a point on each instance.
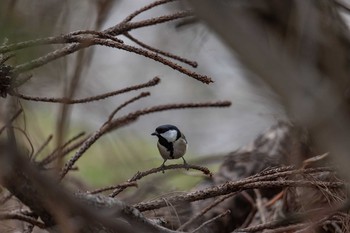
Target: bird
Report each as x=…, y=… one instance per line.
x=172, y=144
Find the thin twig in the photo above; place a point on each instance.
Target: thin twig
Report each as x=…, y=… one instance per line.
x=233, y=186
x=4, y=58
x=21, y=217
x=205, y=210
x=54, y=154
x=43, y=60
x=154, y=56
x=211, y=220
x=167, y=54
x=123, y=185
x=342, y=5
x=122, y=121
x=42, y=147
x=145, y=8
x=142, y=95
x=12, y=119
x=150, y=83
x=140, y=175
x=27, y=138
x=259, y=206
x=5, y=198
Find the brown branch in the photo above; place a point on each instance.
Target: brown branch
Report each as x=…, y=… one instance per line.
x=142, y=95
x=75, y=37
x=5, y=198
x=21, y=217
x=42, y=147
x=205, y=210
x=211, y=220
x=61, y=39
x=342, y=5
x=145, y=8
x=123, y=185
x=100, y=34
x=43, y=60
x=140, y=175
x=51, y=157
x=24, y=133
x=230, y=187
x=150, y=83
x=167, y=54
x=4, y=58
x=134, y=115
x=131, y=117
x=154, y=56
x=11, y=119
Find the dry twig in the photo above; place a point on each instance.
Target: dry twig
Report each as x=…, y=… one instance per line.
x=234, y=186
x=150, y=83
x=211, y=220
x=18, y=216
x=123, y=185
x=140, y=175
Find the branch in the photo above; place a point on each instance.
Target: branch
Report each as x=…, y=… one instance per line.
x=154, y=56
x=21, y=217
x=12, y=119
x=211, y=220
x=205, y=210
x=140, y=175
x=64, y=150
x=123, y=185
x=167, y=54
x=229, y=187
x=146, y=8
x=42, y=147
x=150, y=83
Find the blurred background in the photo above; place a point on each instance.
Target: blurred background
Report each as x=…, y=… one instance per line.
x=118, y=155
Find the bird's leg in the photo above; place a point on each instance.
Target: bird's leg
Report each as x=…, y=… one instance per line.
x=185, y=163
x=163, y=165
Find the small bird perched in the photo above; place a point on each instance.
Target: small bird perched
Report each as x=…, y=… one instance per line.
x=172, y=144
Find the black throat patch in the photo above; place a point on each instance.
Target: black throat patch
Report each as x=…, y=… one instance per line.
x=168, y=145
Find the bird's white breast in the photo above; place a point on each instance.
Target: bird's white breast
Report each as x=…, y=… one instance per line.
x=180, y=147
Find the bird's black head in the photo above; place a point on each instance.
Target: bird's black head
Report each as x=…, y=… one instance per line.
x=161, y=131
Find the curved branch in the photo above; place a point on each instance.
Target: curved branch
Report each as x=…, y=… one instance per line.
x=229, y=187
x=140, y=175
x=150, y=83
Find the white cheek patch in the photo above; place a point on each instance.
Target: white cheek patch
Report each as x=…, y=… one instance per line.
x=170, y=135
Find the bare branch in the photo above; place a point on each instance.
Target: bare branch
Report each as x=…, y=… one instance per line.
x=229, y=187
x=18, y=216
x=205, y=210
x=54, y=154
x=146, y=8
x=150, y=83
x=140, y=175
x=12, y=119
x=211, y=220
x=42, y=147
x=142, y=95
x=118, y=186
x=167, y=54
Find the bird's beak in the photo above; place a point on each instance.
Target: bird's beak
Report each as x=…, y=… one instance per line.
x=154, y=134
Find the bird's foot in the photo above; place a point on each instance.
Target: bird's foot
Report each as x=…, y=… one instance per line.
x=186, y=164
x=162, y=167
